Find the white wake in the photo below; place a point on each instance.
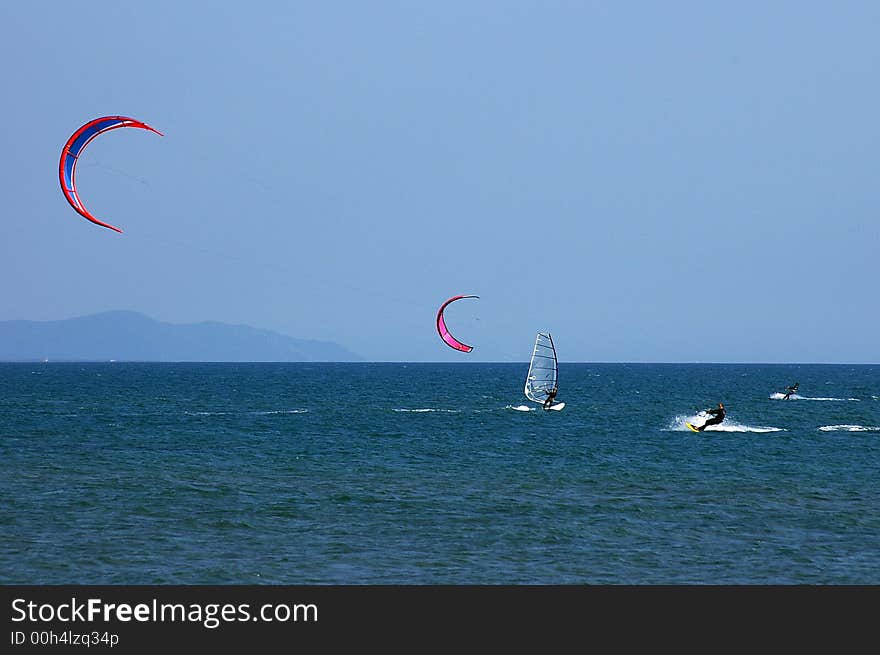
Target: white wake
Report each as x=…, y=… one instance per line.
x=678, y=424
x=781, y=396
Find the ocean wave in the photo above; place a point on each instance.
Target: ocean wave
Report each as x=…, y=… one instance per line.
x=255, y=412
x=280, y=411
x=849, y=428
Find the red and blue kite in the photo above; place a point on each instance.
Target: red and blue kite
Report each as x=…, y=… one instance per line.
x=74, y=147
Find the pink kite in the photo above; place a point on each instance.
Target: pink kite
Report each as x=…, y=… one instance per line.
x=450, y=340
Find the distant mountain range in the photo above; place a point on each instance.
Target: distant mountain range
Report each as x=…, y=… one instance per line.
x=129, y=336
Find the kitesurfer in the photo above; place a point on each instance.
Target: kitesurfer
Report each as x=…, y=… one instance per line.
x=717, y=415
x=790, y=390
x=548, y=403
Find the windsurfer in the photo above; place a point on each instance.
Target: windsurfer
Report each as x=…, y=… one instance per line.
x=548, y=403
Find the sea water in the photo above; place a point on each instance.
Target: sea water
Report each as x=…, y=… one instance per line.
x=391, y=473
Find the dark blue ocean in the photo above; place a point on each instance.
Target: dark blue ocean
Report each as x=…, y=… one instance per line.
x=389, y=473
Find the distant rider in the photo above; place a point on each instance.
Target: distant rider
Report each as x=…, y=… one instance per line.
x=717, y=417
x=790, y=390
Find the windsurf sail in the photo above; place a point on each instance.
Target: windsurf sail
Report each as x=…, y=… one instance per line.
x=543, y=369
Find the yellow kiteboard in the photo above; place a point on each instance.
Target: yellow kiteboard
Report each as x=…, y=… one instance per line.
x=691, y=426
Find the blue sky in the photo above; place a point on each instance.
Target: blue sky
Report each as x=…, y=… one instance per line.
x=652, y=182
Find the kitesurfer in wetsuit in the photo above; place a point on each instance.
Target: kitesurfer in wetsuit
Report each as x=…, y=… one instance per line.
x=790, y=390
x=717, y=417
x=550, y=396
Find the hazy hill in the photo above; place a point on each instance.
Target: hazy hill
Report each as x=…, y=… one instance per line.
x=129, y=336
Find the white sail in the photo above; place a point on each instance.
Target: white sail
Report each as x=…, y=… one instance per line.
x=543, y=369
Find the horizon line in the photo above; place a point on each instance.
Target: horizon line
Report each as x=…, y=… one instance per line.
x=32, y=360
